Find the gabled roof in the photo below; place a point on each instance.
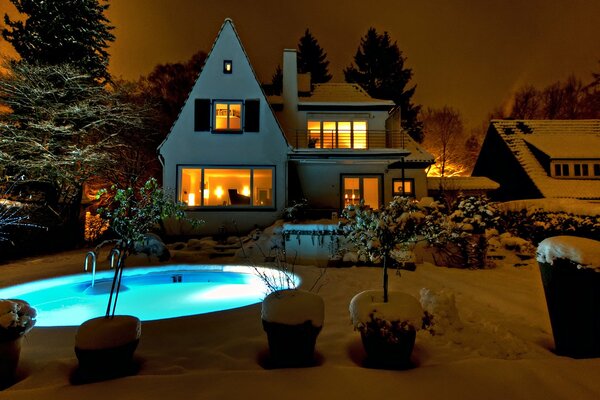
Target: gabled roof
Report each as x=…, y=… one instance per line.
x=341, y=93
x=546, y=135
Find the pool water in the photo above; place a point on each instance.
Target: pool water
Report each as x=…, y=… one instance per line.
x=148, y=293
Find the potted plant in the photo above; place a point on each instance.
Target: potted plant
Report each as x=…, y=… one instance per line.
x=17, y=318
x=387, y=321
x=105, y=345
x=292, y=318
x=570, y=271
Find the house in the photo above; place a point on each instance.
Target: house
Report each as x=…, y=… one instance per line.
x=237, y=160
x=542, y=159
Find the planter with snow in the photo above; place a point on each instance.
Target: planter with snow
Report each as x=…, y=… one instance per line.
x=105, y=346
x=570, y=270
x=292, y=320
x=388, y=330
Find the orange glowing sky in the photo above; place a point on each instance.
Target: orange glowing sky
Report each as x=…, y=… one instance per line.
x=469, y=54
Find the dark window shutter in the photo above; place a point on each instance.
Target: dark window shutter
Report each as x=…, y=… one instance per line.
x=252, y=116
x=202, y=115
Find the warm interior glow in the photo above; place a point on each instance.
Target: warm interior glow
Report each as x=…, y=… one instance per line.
x=360, y=134
x=246, y=191
x=337, y=134
x=191, y=199
x=366, y=189
x=219, y=192
x=228, y=116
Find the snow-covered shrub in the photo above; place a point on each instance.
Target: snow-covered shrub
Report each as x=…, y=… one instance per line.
x=458, y=235
x=296, y=211
x=540, y=224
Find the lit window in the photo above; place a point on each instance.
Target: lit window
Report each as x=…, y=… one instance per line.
x=227, y=67
x=361, y=188
x=409, y=187
x=228, y=117
x=337, y=134
x=214, y=187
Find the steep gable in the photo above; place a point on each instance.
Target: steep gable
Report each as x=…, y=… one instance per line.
x=196, y=128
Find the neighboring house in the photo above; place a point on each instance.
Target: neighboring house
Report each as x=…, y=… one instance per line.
x=228, y=158
x=542, y=159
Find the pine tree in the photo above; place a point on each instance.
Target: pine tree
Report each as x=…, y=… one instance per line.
x=57, y=32
x=312, y=58
x=380, y=71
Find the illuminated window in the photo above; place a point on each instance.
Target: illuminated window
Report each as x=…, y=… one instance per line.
x=228, y=116
x=227, y=67
x=337, y=134
x=218, y=187
x=409, y=187
x=365, y=188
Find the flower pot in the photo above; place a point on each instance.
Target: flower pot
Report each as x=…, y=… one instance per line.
x=105, y=346
x=573, y=298
x=291, y=345
x=392, y=350
x=387, y=329
x=10, y=351
x=292, y=320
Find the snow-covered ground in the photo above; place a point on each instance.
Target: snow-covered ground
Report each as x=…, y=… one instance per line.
x=499, y=346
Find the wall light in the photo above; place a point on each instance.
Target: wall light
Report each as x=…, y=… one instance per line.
x=227, y=67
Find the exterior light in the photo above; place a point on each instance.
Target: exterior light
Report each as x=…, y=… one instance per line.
x=227, y=67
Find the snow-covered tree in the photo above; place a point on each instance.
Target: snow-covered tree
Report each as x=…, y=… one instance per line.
x=58, y=32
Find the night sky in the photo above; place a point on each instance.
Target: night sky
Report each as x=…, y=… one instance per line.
x=469, y=54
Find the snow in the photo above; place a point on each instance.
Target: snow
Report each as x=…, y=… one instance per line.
x=569, y=206
x=400, y=306
x=293, y=307
x=582, y=251
x=106, y=333
x=501, y=349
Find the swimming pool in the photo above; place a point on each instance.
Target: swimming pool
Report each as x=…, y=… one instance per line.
x=148, y=293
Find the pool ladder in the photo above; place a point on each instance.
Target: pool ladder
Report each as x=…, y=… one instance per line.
x=114, y=256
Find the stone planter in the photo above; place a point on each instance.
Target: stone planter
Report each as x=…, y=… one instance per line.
x=10, y=352
x=292, y=320
x=387, y=329
x=390, y=351
x=105, y=347
x=572, y=293
x=291, y=345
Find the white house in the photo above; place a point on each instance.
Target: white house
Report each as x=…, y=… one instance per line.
x=228, y=158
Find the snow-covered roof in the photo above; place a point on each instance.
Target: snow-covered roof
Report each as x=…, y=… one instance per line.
x=578, y=145
x=417, y=152
x=341, y=93
x=582, y=251
x=462, y=183
x=516, y=134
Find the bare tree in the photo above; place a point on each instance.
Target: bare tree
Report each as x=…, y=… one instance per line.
x=444, y=137
x=526, y=104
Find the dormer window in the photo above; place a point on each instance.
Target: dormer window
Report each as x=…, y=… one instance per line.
x=227, y=67
x=227, y=116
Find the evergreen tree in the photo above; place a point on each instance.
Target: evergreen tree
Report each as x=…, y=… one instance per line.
x=276, y=85
x=62, y=32
x=380, y=71
x=312, y=58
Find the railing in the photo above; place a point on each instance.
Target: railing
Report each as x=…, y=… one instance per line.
x=360, y=140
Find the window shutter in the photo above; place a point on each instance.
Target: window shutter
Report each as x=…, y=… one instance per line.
x=202, y=115
x=252, y=116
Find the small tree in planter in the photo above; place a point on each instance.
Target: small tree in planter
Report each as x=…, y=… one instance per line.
x=105, y=345
x=292, y=318
x=387, y=321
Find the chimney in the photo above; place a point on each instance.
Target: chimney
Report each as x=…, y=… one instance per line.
x=290, y=90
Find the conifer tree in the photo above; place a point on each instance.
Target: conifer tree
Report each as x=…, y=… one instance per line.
x=312, y=58
x=379, y=69
x=55, y=32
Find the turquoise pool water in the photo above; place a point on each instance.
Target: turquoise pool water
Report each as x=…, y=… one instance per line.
x=148, y=293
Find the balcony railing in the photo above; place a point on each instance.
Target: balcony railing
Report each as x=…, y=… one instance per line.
x=360, y=140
